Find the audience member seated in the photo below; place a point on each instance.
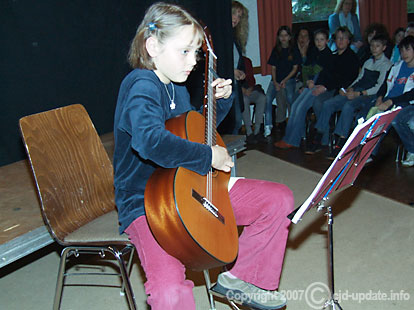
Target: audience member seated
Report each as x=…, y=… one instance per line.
x=318, y=78
x=344, y=15
x=403, y=124
x=284, y=60
x=409, y=31
x=252, y=93
x=304, y=45
x=359, y=95
x=398, y=36
x=398, y=89
x=372, y=30
x=345, y=71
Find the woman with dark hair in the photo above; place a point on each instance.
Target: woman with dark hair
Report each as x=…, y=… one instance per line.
x=372, y=30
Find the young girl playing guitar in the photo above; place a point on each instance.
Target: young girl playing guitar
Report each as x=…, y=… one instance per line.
x=163, y=54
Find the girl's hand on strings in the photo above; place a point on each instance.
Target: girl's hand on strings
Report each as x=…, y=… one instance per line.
x=223, y=88
x=221, y=159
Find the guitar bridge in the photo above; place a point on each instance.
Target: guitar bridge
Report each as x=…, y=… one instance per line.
x=208, y=206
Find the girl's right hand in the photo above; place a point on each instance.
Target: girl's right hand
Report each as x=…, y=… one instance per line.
x=221, y=159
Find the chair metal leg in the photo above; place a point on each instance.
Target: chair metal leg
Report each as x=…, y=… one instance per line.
x=125, y=278
x=400, y=153
x=208, y=286
x=126, y=250
x=60, y=278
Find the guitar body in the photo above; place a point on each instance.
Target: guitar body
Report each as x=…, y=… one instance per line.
x=182, y=226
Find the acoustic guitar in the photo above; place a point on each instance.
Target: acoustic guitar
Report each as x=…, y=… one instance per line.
x=189, y=214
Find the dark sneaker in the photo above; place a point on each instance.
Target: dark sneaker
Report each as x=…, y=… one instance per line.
x=313, y=148
x=335, y=151
x=251, y=139
x=248, y=294
x=260, y=138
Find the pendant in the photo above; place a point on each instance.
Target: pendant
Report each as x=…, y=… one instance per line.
x=172, y=105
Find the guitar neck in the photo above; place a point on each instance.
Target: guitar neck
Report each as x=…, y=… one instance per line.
x=210, y=105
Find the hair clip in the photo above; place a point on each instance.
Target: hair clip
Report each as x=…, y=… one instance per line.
x=152, y=26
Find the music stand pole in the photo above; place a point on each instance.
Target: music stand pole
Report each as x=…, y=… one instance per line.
x=332, y=303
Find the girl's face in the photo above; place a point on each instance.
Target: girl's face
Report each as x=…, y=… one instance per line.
x=398, y=37
x=347, y=6
x=235, y=17
x=407, y=54
x=321, y=41
x=176, y=57
x=284, y=38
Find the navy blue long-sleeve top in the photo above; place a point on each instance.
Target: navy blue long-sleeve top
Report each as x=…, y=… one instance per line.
x=142, y=144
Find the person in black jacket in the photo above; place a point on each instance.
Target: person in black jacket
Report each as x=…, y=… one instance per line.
x=345, y=71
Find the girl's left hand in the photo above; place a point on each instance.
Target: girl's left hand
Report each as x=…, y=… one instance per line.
x=223, y=88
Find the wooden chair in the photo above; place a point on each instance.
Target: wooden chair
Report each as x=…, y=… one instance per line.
x=74, y=179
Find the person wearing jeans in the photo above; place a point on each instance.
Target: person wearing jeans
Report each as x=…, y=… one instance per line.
x=284, y=61
x=403, y=124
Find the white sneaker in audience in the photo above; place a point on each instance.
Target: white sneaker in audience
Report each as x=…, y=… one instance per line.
x=267, y=130
x=409, y=160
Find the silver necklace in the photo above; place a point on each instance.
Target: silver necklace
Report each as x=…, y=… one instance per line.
x=172, y=104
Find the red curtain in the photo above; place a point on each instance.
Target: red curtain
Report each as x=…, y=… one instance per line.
x=271, y=15
x=392, y=14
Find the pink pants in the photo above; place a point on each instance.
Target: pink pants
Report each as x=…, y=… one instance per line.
x=261, y=207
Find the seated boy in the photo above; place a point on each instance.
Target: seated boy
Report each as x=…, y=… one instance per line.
x=359, y=95
x=399, y=91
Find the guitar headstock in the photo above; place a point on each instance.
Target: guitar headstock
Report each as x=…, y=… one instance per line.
x=207, y=45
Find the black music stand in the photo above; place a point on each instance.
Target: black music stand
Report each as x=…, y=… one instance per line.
x=341, y=174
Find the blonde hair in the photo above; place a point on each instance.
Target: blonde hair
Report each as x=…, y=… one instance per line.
x=340, y=3
x=241, y=31
x=161, y=21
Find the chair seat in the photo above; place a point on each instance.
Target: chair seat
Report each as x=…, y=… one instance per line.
x=102, y=230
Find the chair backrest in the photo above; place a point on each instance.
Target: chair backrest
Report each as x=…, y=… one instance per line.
x=72, y=171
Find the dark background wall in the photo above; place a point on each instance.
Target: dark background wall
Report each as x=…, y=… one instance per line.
x=55, y=53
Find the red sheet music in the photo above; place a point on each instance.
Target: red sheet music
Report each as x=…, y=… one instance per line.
x=350, y=160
